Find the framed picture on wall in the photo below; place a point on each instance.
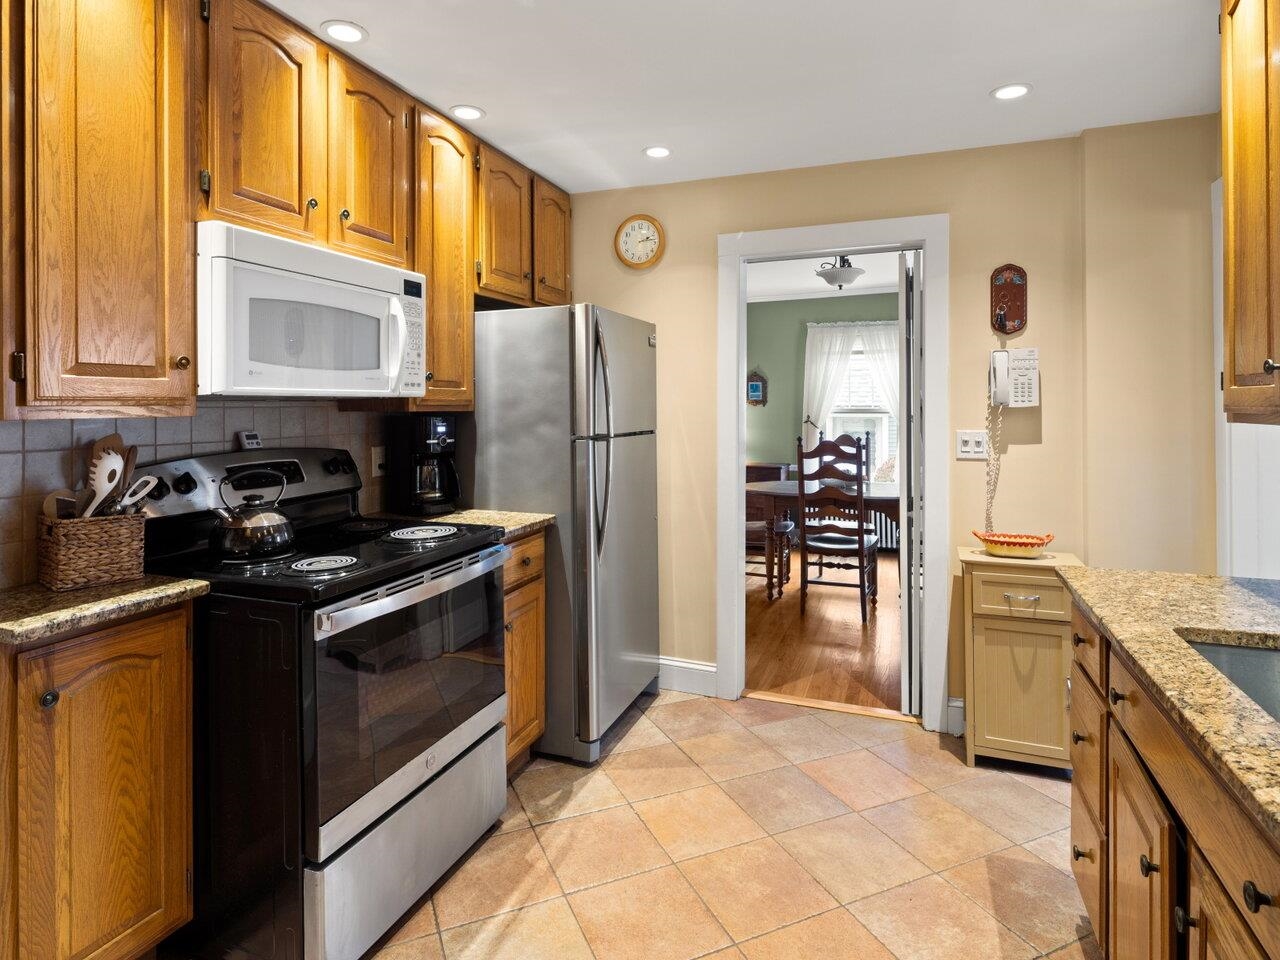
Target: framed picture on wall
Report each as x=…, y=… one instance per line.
x=757, y=389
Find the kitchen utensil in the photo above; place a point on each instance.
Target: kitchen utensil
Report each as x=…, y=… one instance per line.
x=1026, y=546
x=104, y=474
x=137, y=490
x=126, y=478
x=255, y=528
x=59, y=505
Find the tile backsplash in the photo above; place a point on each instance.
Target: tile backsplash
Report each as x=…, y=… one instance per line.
x=38, y=456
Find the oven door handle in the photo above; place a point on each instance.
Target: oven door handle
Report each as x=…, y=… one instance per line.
x=341, y=617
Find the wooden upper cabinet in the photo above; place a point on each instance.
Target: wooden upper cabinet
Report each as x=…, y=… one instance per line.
x=104, y=791
x=505, y=243
x=109, y=181
x=550, y=243
x=1251, y=207
x=267, y=121
x=446, y=183
x=1141, y=862
x=369, y=150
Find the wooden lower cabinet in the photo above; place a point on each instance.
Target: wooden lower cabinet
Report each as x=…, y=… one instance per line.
x=1089, y=863
x=525, y=624
x=1213, y=928
x=103, y=791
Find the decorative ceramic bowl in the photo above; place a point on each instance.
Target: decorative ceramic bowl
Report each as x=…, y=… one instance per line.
x=1026, y=546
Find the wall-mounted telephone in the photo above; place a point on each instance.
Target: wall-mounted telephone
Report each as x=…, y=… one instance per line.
x=1015, y=378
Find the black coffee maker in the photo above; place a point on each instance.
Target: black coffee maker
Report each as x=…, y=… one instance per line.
x=422, y=478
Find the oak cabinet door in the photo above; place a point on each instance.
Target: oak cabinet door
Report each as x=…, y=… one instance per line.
x=267, y=121
x=550, y=243
x=104, y=792
x=1251, y=208
x=446, y=183
x=505, y=243
x=111, y=301
x=525, y=624
x=1089, y=863
x=1141, y=860
x=1020, y=672
x=369, y=148
x=1088, y=744
x=1214, y=929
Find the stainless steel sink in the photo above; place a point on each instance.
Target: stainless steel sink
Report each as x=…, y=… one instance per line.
x=1255, y=670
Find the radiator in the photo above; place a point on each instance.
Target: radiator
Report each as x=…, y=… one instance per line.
x=886, y=529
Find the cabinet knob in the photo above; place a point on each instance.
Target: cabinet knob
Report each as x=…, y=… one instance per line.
x=1270, y=366
x=312, y=203
x=50, y=698
x=345, y=214
x=1077, y=737
x=1077, y=640
x=182, y=363
x=1146, y=867
x=527, y=274
x=542, y=279
x=1078, y=854
x=509, y=627
x=1115, y=696
x=1254, y=898
x=430, y=376
x=1182, y=920
x=526, y=562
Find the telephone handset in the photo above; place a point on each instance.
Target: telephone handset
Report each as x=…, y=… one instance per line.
x=1013, y=381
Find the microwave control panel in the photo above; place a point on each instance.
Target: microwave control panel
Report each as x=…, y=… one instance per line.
x=413, y=371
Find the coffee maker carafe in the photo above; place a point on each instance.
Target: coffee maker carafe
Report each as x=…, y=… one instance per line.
x=422, y=478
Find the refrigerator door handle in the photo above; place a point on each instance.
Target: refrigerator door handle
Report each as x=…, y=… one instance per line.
x=603, y=354
x=602, y=517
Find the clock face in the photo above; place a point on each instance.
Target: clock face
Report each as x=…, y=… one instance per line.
x=639, y=242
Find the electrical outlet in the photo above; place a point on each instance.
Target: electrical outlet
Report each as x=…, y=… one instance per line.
x=971, y=444
x=378, y=456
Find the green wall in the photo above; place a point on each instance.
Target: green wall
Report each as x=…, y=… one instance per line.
x=775, y=347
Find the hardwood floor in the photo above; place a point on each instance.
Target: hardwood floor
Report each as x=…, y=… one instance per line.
x=828, y=654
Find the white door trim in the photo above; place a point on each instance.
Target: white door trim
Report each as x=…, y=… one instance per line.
x=932, y=233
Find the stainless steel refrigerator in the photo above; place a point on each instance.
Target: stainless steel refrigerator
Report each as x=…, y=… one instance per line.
x=565, y=420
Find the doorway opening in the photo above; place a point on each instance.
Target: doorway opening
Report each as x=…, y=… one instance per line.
x=867, y=370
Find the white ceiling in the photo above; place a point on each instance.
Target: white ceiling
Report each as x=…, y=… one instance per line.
x=577, y=88
x=795, y=279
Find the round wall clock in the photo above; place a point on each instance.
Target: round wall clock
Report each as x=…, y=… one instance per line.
x=640, y=241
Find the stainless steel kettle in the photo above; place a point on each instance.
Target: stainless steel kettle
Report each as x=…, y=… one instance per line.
x=253, y=530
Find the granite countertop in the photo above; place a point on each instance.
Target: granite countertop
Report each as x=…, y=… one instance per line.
x=1148, y=615
x=516, y=524
x=32, y=615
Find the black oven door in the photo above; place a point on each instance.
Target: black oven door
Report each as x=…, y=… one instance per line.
x=401, y=680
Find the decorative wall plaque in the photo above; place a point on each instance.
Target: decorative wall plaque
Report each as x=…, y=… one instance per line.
x=757, y=389
x=1008, y=299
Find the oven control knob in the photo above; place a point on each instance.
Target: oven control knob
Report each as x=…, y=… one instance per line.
x=159, y=491
x=333, y=465
x=185, y=484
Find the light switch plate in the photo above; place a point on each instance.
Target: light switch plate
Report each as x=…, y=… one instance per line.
x=378, y=456
x=971, y=444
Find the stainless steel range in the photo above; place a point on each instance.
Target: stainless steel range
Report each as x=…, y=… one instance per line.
x=349, y=706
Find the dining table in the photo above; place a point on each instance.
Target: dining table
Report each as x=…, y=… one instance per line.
x=783, y=497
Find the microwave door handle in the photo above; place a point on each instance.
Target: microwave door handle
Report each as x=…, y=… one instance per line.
x=402, y=335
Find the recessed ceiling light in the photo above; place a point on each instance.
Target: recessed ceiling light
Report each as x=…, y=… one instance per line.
x=1011, y=91
x=464, y=111
x=657, y=153
x=344, y=31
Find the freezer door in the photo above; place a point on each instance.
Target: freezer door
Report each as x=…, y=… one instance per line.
x=616, y=503
x=615, y=373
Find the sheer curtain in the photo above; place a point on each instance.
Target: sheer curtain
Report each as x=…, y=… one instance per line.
x=880, y=348
x=828, y=350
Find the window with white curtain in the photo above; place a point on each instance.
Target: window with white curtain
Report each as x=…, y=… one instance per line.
x=860, y=409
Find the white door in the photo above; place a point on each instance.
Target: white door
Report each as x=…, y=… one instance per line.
x=911, y=474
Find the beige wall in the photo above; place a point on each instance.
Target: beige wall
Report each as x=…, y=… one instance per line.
x=1023, y=203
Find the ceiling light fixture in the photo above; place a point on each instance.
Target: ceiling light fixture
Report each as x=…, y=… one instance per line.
x=839, y=271
x=465, y=111
x=657, y=153
x=344, y=31
x=1011, y=91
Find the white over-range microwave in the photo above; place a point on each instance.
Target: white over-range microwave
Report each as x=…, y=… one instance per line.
x=279, y=318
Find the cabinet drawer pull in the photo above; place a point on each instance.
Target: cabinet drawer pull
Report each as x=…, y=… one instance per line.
x=345, y=214
x=1029, y=598
x=1078, y=737
x=1254, y=898
x=1077, y=640
x=1078, y=854
x=1182, y=920
x=312, y=203
x=51, y=697
x=1115, y=696
x=1146, y=867
x=1270, y=366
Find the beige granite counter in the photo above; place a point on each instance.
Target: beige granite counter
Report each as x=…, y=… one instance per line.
x=517, y=525
x=32, y=615
x=1144, y=613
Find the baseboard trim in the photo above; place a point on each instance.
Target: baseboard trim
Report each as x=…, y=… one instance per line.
x=687, y=676
x=955, y=716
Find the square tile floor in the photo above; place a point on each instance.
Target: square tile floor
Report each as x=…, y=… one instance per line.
x=767, y=832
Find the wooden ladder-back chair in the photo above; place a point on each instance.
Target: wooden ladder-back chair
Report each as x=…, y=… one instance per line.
x=834, y=530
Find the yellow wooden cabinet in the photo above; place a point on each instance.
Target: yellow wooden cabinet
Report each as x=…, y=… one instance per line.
x=551, y=227
x=504, y=239
x=101, y=743
x=1017, y=658
x=525, y=624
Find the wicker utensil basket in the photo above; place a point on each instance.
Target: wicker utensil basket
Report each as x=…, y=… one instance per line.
x=90, y=551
